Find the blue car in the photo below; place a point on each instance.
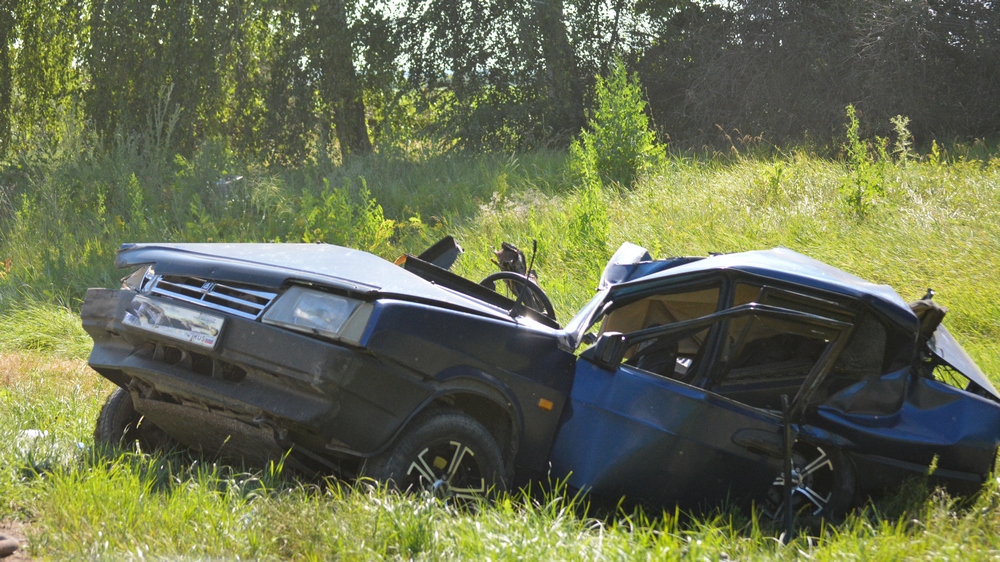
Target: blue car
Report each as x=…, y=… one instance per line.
x=684, y=381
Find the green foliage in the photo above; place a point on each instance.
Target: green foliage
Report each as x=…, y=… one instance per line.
x=288, y=82
x=618, y=146
x=590, y=227
x=865, y=185
x=31, y=325
x=903, y=147
x=40, y=43
x=936, y=155
x=335, y=217
x=6, y=76
x=137, y=48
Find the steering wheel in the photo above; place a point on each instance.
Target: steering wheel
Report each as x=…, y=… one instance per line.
x=534, y=297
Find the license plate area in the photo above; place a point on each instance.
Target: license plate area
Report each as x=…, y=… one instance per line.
x=175, y=322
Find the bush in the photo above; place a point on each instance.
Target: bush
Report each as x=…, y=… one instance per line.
x=335, y=217
x=618, y=146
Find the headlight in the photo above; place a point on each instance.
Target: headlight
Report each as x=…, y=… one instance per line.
x=138, y=279
x=315, y=312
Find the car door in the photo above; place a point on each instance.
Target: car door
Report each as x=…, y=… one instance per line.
x=636, y=427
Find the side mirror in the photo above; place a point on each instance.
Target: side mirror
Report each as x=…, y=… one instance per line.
x=609, y=350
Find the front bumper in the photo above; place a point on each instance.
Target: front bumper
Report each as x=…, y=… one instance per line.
x=327, y=397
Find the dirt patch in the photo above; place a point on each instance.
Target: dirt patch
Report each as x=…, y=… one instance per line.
x=15, y=530
x=29, y=370
x=17, y=367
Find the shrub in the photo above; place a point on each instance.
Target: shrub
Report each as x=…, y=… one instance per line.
x=618, y=146
x=590, y=226
x=335, y=217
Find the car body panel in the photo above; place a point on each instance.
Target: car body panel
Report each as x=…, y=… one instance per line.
x=950, y=352
x=702, y=446
x=525, y=363
x=347, y=398
x=647, y=438
x=916, y=420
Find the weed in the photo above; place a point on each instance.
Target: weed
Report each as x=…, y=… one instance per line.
x=903, y=147
x=865, y=184
x=589, y=226
x=768, y=183
x=936, y=156
x=336, y=218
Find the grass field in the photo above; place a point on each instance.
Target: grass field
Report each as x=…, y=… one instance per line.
x=935, y=224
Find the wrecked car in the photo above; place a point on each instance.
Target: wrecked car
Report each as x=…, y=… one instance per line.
x=676, y=384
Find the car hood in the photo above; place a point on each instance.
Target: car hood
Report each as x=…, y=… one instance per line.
x=272, y=265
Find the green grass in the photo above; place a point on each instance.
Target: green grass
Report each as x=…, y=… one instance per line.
x=938, y=225
x=167, y=506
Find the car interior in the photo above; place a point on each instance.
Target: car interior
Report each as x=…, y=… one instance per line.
x=759, y=358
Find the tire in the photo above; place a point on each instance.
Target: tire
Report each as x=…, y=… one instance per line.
x=825, y=484
x=119, y=424
x=446, y=453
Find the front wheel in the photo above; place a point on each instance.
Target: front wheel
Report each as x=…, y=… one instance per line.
x=119, y=424
x=445, y=453
x=823, y=481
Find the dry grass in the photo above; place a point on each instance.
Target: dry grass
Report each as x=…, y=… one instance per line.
x=30, y=368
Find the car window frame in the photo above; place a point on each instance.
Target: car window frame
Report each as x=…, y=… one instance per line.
x=689, y=285
x=610, y=348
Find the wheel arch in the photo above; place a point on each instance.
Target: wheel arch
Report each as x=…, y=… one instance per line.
x=483, y=398
x=497, y=419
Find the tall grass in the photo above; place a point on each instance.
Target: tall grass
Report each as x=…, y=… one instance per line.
x=65, y=210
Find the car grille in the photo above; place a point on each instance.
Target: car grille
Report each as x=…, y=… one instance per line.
x=230, y=298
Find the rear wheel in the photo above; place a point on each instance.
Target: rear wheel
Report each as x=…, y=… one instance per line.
x=445, y=453
x=119, y=424
x=823, y=481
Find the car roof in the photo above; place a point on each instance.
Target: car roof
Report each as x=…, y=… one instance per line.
x=784, y=265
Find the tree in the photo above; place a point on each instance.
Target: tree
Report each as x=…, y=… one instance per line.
x=139, y=50
x=562, y=75
x=7, y=36
x=332, y=57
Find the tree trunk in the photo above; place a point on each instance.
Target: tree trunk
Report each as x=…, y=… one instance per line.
x=6, y=71
x=564, y=91
x=339, y=86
